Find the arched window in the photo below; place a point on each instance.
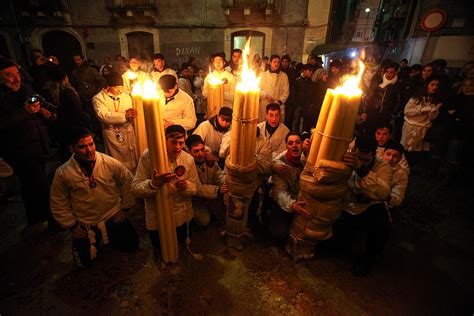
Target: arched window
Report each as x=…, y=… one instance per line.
x=257, y=44
x=63, y=45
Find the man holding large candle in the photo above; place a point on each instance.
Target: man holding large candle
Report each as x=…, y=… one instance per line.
x=179, y=106
x=369, y=188
x=114, y=109
x=181, y=187
x=275, y=88
x=227, y=78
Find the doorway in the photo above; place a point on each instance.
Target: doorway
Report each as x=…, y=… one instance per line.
x=257, y=43
x=140, y=44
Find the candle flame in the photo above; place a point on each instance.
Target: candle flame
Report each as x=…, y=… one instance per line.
x=137, y=89
x=149, y=90
x=350, y=87
x=131, y=75
x=362, y=54
x=213, y=80
x=250, y=81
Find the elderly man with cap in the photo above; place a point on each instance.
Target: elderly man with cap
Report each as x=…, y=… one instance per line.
x=179, y=106
x=24, y=141
x=212, y=130
x=181, y=188
x=114, y=109
x=91, y=196
x=211, y=186
x=227, y=78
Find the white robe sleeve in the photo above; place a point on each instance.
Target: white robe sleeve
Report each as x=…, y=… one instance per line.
x=60, y=199
x=124, y=177
x=399, y=187
x=188, y=120
x=377, y=185
x=141, y=182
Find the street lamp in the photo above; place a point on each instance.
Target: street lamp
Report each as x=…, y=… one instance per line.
x=367, y=10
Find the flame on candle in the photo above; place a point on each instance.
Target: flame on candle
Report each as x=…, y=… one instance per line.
x=137, y=90
x=350, y=87
x=131, y=75
x=213, y=80
x=362, y=54
x=149, y=90
x=250, y=81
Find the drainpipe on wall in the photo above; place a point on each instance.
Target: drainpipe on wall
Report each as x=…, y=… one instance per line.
x=26, y=56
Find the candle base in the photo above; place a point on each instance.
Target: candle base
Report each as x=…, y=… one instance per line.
x=322, y=189
x=242, y=184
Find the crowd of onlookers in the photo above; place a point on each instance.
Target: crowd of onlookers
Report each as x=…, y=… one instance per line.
x=412, y=117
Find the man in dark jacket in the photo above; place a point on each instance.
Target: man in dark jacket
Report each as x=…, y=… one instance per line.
x=24, y=141
x=88, y=82
x=383, y=100
x=305, y=100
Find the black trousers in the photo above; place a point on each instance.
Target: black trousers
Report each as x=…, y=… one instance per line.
x=34, y=189
x=280, y=222
x=373, y=222
x=122, y=236
x=181, y=232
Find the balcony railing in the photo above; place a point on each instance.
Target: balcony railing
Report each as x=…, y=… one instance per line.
x=130, y=4
x=246, y=3
x=51, y=5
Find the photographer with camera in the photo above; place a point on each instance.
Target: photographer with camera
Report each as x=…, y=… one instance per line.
x=67, y=105
x=25, y=141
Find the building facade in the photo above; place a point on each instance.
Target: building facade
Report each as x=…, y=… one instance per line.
x=178, y=29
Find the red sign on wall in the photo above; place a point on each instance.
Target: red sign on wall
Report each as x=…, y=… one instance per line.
x=433, y=20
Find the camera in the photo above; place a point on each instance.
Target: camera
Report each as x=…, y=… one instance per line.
x=43, y=103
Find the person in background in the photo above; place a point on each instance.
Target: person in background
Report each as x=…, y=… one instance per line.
x=179, y=107
x=133, y=75
x=160, y=68
x=275, y=88
x=88, y=82
x=235, y=64
x=227, y=78
x=24, y=144
x=184, y=82
x=212, y=131
x=114, y=109
x=393, y=155
x=420, y=112
x=70, y=113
